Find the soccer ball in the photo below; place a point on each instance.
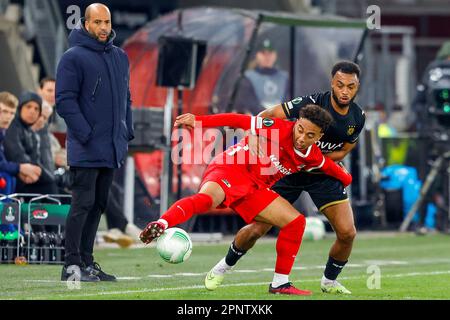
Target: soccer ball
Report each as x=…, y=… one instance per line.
x=315, y=229
x=174, y=245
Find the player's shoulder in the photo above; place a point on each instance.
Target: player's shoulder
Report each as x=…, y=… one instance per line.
x=314, y=98
x=358, y=112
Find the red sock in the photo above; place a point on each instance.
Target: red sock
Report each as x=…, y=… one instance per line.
x=288, y=244
x=183, y=209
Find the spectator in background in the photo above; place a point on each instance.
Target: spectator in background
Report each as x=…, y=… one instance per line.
x=26, y=172
x=120, y=230
x=47, y=93
x=22, y=144
x=56, y=123
x=263, y=86
x=48, y=157
x=40, y=127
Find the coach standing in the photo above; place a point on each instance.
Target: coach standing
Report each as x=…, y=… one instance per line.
x=93, y=98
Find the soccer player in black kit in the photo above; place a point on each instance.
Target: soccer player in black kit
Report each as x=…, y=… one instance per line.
x=328, y=194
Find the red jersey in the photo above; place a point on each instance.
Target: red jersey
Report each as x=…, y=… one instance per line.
x=281, y=157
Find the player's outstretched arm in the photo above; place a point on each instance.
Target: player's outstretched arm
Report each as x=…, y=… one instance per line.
x=273, y=112
x=218, y=120
x=186, y=119
x=334, y=170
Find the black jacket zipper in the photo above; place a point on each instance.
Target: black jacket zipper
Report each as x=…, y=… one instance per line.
x=99, y=79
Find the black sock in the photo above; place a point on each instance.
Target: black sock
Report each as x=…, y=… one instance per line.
x=333, y=268
x=233, y=255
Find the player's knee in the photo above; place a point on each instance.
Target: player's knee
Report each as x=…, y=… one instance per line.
x=347, y=235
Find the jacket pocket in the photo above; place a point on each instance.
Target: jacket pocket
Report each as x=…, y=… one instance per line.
x=96, y=87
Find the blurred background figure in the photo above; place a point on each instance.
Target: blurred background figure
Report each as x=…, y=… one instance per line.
x=25, y=172
x=264, y=85
x=22, y=144
x=47, y=93
x=120, y=230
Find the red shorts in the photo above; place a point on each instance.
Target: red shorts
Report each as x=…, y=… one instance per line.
x=242, y=194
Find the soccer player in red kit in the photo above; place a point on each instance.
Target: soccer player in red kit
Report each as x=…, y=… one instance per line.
x=232, y=180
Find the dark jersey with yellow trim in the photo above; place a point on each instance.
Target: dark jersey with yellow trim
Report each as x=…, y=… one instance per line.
x=345, y=128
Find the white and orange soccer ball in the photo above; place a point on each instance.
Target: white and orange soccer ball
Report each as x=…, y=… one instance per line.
x=174, y=245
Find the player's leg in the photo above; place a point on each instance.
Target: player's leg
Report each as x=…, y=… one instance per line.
x=282, y=214
x=247, y=236
x=210, y=196
x=331, y=198
x=341, y=219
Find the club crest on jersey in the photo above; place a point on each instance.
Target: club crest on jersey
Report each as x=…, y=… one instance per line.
x=267, y=122
x=350, y=130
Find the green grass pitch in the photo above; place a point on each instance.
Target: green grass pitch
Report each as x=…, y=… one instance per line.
x=410, y=267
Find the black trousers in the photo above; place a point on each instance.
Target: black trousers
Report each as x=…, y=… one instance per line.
x=115, y=217
x=90, y=188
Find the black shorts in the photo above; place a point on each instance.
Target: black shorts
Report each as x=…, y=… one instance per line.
x=324, y=190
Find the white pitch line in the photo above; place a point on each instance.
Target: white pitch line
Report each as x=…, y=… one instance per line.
x=187, y=274
x=105, y=293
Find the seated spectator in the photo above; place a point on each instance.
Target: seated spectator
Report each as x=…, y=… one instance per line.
x=26, y=172
x=40, y=127
x=45, y=140
x=22, y=145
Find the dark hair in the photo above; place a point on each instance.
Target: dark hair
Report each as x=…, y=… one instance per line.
x=346, y=67
x=317, y=115
x=45, y=80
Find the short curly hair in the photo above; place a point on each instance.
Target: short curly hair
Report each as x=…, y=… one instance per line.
x=317, y=115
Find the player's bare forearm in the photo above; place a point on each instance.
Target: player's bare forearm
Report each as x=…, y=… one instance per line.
x=336, y=155
x=341, y=154
x=273, y=112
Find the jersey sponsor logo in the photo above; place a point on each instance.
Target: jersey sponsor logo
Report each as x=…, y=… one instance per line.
x=279, y=166
x=350, y=130
x=225, y=181
x=328, y=146
x=268, y=122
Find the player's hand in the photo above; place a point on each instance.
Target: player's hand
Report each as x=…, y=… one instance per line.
x=254, y=145
x=187, y=120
